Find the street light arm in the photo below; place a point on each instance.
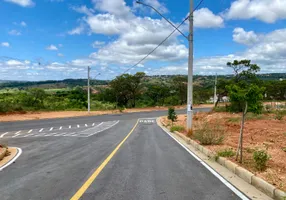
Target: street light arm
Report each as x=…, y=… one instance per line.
x=139, y=2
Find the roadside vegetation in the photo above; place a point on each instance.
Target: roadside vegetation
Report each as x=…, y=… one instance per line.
x=250, y=128
x=127, y=91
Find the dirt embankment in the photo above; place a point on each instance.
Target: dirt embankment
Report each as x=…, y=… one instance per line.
x=63, y=114
x=261, y=132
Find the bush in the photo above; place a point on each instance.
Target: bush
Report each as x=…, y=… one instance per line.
x=226, y=153
x=220, y=109
x=177, y=128
x=268, y=108
x=172, y=114
x=279, y=115
x=207, y=135
x=260, y=158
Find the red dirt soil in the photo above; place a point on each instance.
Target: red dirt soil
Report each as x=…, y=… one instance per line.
x=63, y=114
x=263, y=132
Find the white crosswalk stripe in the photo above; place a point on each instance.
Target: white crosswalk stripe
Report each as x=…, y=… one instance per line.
x=84, y=130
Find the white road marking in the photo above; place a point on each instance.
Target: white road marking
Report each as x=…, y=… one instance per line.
x=85, y=125
x=52, y=134
x=100, y=124
x=3, y=134
x=16, y=134
x=93, y=124
x=230, y=186
x=68, y=134
x=41, y=130
x=60, y=128
x=29, y=135
x=103, y=128
x=51, y=128
x=30, y=131
x=78, y=126
x=70, y=126
x=59, y=134
x=92, y=127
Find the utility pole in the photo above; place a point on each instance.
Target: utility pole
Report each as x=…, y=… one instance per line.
x=190, y=69
x=215, y=96
x=88, y=90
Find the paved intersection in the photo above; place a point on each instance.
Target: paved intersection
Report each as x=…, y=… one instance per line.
x=84, y=130
x=106, y=157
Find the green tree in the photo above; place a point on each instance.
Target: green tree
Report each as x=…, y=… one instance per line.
x=244, y=93
x=244, y=75
x=157, y=92
x=180, y=85
x=127, y=88
x=172, y=115
x=33, y=98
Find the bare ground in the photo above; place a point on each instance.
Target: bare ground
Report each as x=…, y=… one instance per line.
x=261, y=132
x=63, y=114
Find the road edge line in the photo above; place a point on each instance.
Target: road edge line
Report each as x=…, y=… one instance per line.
x=19, y=152
x=94, y=175
x=216, y=174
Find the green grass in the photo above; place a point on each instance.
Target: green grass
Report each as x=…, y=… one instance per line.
x=56, y=90
x=177, y=128
x=13, y=90
x=220, y=109
x=234, y=119
x=226, y=153
x=252, y=116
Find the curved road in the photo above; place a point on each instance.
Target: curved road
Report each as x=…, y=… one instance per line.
x=103, y=157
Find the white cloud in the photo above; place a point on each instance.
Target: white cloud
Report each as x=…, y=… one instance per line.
x=77, y=31
x=136, y=36
x=5, y=44
x=97, y=44
x=14, y=62
x=204, y=18
x=14, y=32
x=83, y=62
x=114, y=7
x=268, y=11
x=243, y=37
x=23, y=24
x=23, y=3
x=52, y=48
x=107, y=24
x=60, y=45
x=83, y=9
x=60, y=55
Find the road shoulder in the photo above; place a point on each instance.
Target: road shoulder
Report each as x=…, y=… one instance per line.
x=230, y=177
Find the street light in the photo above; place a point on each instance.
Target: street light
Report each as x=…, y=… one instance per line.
x=190, y=60
x=139, y=2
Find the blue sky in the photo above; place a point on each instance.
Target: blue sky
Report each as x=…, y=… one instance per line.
x=58, y=39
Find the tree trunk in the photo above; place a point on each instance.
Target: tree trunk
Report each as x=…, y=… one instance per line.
x=216, y=103
x=240, y=142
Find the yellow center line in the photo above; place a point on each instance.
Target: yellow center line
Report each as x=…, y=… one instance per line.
x=90, y=180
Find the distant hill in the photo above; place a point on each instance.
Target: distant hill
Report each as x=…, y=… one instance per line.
x=52, y=84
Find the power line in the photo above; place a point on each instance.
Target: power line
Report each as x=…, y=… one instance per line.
x=165, y=38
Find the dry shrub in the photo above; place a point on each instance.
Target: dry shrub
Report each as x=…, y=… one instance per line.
x=209, y=134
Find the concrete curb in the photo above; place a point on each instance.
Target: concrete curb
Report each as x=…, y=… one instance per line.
x=3, y=153
x=241, y=172
x=11, y=160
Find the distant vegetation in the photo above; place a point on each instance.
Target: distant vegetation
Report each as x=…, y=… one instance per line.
x=125, y=91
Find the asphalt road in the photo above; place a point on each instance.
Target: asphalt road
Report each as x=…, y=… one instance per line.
x=86, y=163
x=46, y=123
